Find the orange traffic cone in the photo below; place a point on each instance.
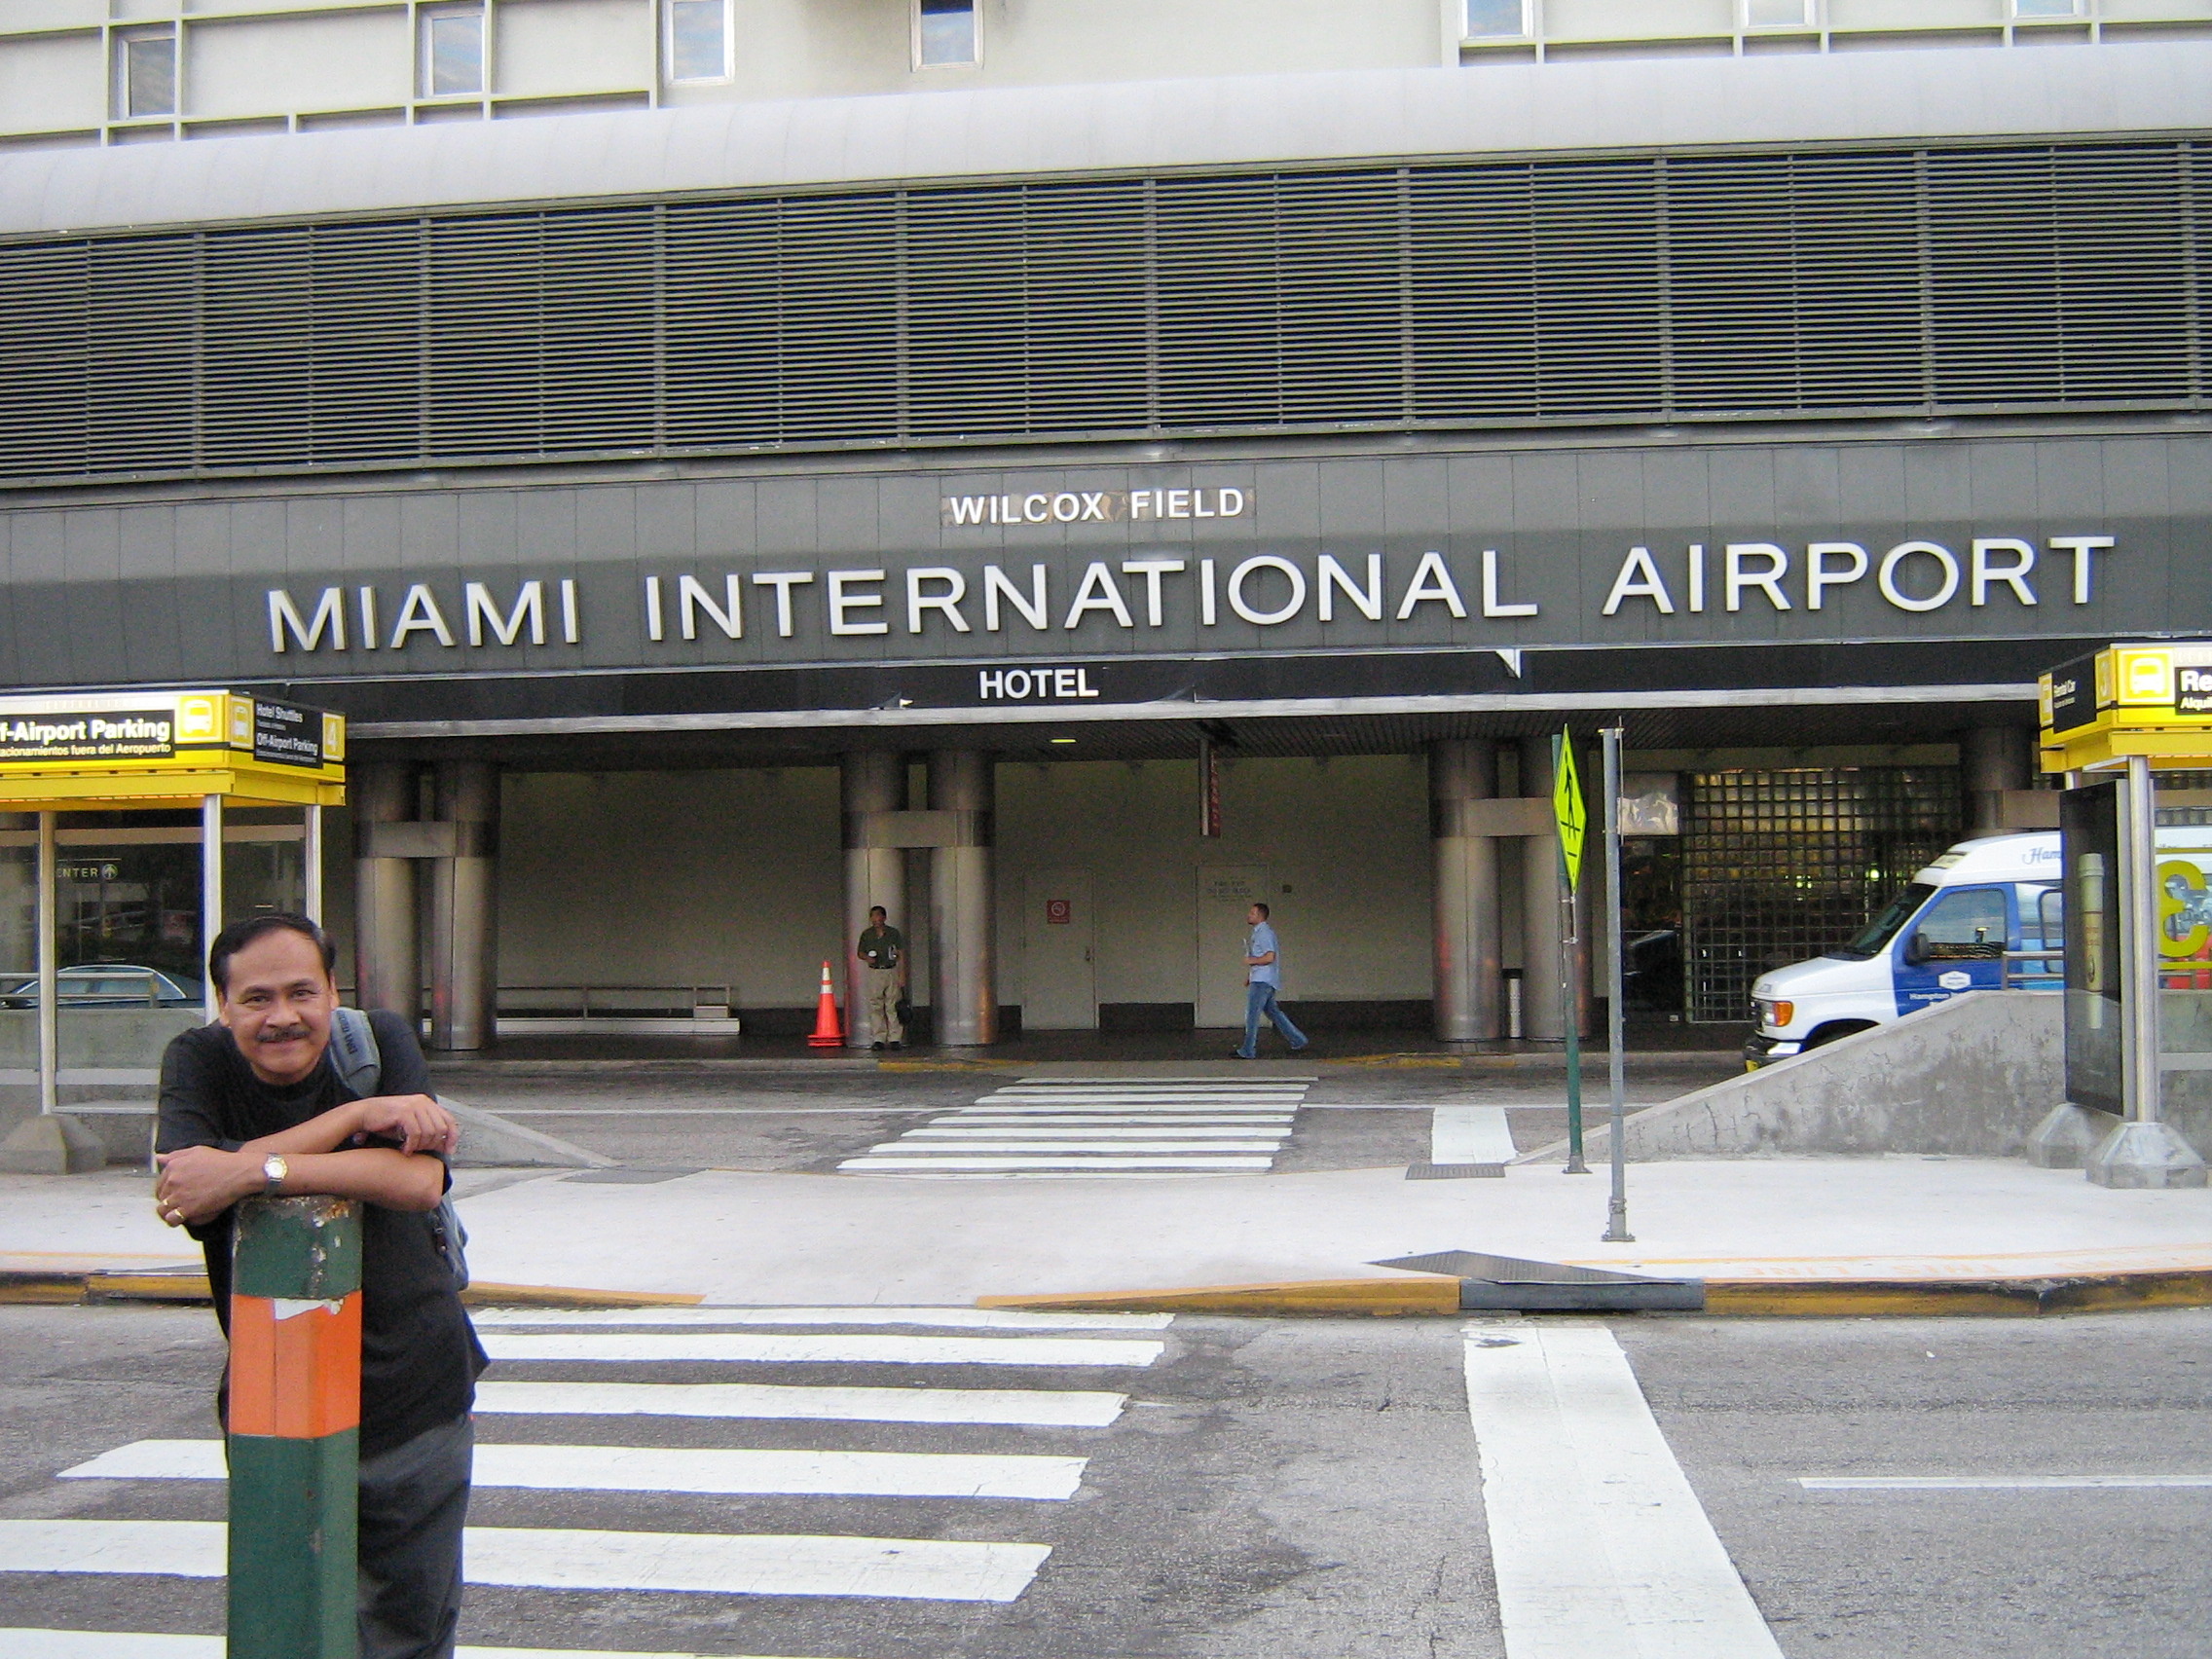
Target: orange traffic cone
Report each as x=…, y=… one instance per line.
x=828, y=1033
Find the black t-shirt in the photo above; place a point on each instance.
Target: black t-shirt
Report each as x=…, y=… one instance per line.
x=419, y=1357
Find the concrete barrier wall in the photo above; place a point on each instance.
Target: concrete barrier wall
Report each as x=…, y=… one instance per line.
x=1968, y=1077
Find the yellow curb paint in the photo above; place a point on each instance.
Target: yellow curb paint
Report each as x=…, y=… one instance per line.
x=563, y=1296
x=1423, y=1294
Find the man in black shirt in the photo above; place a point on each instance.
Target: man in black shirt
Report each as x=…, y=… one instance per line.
x=253, y=1105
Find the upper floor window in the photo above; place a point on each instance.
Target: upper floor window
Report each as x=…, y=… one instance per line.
x=699, y=39
x=2046, y=7
x=145, y=72
x=944, y=34
x=1777, y=14
x=1495, y=18
x=451, y=48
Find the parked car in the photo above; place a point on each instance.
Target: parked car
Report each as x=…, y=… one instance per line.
x=106, y=985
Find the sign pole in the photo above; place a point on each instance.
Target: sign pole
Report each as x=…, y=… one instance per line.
x=294, y=1428
x=1568, y=809
x=48, y=970
x=211, y=891
x=1617, y=1217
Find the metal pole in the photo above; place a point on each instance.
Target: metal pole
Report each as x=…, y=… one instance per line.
x=49, y=971
x=2139, y=942
x=210, y=890
x=311, y=866
x=295, y=1430
x=1616, y=1216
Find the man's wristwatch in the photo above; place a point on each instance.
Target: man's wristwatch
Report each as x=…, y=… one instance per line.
x=274, y=1170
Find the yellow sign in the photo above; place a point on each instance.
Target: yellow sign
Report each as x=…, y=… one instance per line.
x=2153, y=700
x=1567, y=806
x=94, y=748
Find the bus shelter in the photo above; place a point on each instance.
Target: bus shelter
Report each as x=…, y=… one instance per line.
x=132, y=824
x=2129, y=728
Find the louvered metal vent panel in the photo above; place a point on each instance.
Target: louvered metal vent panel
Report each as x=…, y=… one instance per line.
x=1477, y=294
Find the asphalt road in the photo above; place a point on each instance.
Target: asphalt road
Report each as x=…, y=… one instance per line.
x=1297, y=1488
x=791, y=1120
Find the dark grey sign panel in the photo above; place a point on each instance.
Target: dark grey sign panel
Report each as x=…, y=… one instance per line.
x=1027, y=572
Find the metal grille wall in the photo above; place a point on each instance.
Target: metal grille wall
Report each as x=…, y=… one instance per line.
x=1510, y=293
x=1781, y=865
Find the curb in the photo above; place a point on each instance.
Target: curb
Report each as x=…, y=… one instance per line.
x=189, y=1286
x=1812, y=1299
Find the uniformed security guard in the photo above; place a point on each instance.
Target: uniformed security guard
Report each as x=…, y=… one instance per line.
x=883, y=949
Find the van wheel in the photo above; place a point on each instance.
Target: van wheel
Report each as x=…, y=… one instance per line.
x=1842, y=1028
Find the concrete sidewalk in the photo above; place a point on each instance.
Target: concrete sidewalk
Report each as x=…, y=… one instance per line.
x=731, y=1237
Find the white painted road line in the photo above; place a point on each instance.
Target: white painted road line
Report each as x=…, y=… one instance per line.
x=142, y=1645
x=1044, y=1407
x=871, y=1164
x=970, y=1127
x=1600, y=1545
x=2003, y=1483
x=653, y=1347
x=1133, y=1116
x=1212, y=1080
x=1011, y=1143
x=549, y=1559
x=1470, y=1134
x=688, y=1470
x=949, y=1318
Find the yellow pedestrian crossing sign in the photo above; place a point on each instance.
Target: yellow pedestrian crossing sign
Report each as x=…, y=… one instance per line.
x=1568, y=808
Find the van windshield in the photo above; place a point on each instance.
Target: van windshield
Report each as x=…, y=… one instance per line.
x=1883, y=927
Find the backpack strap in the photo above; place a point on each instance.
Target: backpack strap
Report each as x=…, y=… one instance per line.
x=353, y=1053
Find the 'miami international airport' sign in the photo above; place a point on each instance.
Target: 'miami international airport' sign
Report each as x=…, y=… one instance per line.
x=148, y=745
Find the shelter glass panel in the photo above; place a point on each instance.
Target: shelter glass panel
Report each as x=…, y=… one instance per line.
x=1781, y=865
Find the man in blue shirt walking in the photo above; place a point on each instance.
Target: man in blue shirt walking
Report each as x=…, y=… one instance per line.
x=1263, y=974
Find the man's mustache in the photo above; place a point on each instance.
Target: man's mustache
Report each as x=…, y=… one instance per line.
x=281, y=1034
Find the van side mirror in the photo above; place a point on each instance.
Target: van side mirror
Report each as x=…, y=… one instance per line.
x=1916, y=950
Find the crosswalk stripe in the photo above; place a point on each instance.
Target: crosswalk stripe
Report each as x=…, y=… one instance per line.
x=1599, y=1543
x=1088, y=1116
x=688, y=1469
x=1086, y=1098
x=1197, y=1080
x=1470, y=1134
x=803, y=1349
x=1026, y=1143
x=968, y=1131
x=1044, y=1407
x=565, y=1559
x=893, y=1170
x=21, y=1644
x=871, y=1164
x=949, y=1318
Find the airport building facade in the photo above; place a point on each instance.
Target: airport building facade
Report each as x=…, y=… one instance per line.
x=1066, y=511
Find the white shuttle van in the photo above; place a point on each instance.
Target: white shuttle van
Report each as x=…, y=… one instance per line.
x=1947, y=932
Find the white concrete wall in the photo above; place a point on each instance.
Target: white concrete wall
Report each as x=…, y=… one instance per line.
x=350, y=60
x=657, y=878
x=1345, y=843
x=681, y=877
x=551, y=48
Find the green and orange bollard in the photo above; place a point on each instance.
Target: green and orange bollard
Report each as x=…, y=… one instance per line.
x=295, y=1419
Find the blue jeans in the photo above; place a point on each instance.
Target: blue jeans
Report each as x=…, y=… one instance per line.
x=1260, y=999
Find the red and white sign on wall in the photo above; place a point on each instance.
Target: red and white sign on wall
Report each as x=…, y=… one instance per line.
x=1059, y=911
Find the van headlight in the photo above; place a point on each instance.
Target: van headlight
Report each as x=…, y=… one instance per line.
x=1778, y=1014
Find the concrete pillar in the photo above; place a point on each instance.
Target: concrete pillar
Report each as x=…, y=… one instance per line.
x=1991, y=760
x=1542, y=919
x=964, y=981
x=872, y=782
x=386, y=953
x=464, y=956
x=1467, y=990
